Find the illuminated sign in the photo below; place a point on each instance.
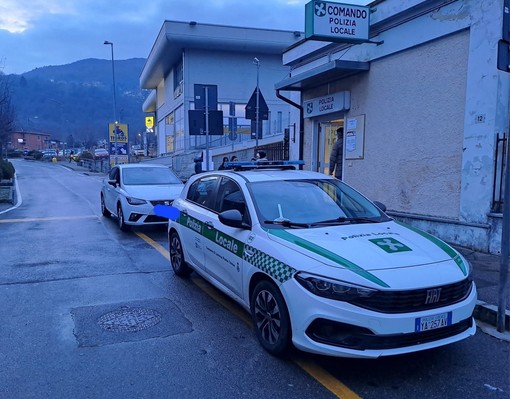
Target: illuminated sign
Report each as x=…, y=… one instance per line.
x=336, y=22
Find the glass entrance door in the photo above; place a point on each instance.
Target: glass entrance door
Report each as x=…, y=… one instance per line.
x=327, y=137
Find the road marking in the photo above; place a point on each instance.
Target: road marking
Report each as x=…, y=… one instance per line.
x=328, y=381
x=331, y=383
x=48, y=219
x=158, y=247
x=19, y=200
x=221, y=299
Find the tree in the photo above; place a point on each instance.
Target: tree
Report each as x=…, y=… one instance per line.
x=6, y=114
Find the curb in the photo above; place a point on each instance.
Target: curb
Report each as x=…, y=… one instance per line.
x=488, y=314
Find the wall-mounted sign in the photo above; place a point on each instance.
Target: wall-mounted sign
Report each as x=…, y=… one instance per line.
x=340, y=101
x=336, y=22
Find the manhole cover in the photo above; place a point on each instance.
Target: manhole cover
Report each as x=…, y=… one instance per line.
x=128, y=319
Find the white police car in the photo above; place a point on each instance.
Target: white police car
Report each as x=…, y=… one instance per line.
x=318, y=265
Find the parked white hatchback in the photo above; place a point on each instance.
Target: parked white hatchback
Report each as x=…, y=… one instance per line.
x=318, y=265
x=131, y=191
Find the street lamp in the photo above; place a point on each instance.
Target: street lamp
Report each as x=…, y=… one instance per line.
x=114, y=101
x=257, y=116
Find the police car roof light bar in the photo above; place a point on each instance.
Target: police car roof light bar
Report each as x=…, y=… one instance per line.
x=263, y=165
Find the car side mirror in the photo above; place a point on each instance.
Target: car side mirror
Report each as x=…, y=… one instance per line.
x=380, y=205
x=112, y=182
x=232, y=218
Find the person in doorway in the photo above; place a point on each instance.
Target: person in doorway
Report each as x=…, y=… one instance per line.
x=336, y=157
x=222, y=166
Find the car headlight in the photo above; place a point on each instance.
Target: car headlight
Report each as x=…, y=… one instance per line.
x=469, y=269
x=135, y=201
x=333, y=289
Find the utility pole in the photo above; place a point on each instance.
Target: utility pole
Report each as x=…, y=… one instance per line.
x=115, y=122
x=505, y=240
x=257, y=106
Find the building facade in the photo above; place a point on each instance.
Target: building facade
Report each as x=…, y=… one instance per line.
x=190, y=61
x=29, y=141
x=424, y=109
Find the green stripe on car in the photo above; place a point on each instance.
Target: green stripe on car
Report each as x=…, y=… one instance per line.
x=278, y=270
x=285, y=235
x=441, y=244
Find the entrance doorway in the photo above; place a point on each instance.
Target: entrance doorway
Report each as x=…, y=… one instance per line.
x=326, y=135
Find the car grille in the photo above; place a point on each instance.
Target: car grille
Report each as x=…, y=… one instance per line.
x=155, y=219
x=162, y=202
x=415, y=300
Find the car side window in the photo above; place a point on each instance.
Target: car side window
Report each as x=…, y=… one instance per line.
x=202, y=191
x=230, y=196
x=111, y=175
x=114, y=175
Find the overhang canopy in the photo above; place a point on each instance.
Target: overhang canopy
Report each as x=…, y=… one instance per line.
x=175, y=37
x=323, y=74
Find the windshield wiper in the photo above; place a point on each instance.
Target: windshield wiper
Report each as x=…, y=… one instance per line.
x=344, y=220
x=287, y=223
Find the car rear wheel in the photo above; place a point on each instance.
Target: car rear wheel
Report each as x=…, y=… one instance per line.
x=120, y=219
x=104, y=210
x=270, y=318
x=179, y=266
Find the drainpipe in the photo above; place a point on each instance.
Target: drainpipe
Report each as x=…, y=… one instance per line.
x=301, y=122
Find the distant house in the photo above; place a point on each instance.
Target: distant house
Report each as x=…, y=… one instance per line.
x=186, y=59
x=29, y=141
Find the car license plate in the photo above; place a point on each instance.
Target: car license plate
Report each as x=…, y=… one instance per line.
x=432, y=322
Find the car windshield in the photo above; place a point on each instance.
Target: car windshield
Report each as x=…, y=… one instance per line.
x=312, y=203
x=149, y=176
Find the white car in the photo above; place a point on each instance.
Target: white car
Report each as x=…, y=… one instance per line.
x=131, y=191
x=318, y=265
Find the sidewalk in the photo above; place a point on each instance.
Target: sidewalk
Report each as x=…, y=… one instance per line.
x=486, y=273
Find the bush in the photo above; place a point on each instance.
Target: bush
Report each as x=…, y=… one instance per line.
x=6, y=170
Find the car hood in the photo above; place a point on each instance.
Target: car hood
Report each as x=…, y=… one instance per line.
x=154, y=192
x=372, y=247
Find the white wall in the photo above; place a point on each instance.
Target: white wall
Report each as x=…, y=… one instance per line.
x=414, y=107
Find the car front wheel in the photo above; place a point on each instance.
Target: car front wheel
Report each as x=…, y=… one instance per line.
x=104, y=210
x=270, y=318
x=120, y=219
x=179, y=266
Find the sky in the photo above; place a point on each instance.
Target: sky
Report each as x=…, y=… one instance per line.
x=38, y=33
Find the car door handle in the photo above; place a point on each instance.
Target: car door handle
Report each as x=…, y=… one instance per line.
x=248, y=252
x=184, y=212
x=209, y=224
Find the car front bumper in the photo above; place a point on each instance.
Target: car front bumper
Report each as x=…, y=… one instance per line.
x=336, y=328
x=139, y=215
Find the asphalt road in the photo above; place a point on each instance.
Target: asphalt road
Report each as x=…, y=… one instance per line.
x=91, y=312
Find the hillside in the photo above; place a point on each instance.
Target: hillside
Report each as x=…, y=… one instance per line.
x=74, y=102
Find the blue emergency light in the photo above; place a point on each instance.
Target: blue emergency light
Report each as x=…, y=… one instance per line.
x=240, y=165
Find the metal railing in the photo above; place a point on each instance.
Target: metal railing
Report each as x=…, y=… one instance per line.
x=96, y=165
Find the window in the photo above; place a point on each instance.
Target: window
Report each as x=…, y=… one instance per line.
x=229, y=197
x=178, y=79
x=310, y=201
x=201, y=192
x=114, y=174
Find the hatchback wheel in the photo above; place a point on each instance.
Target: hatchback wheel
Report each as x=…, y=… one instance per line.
x=270, y=318
x=120, y=219
x=177, y=256
x=104, y=210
